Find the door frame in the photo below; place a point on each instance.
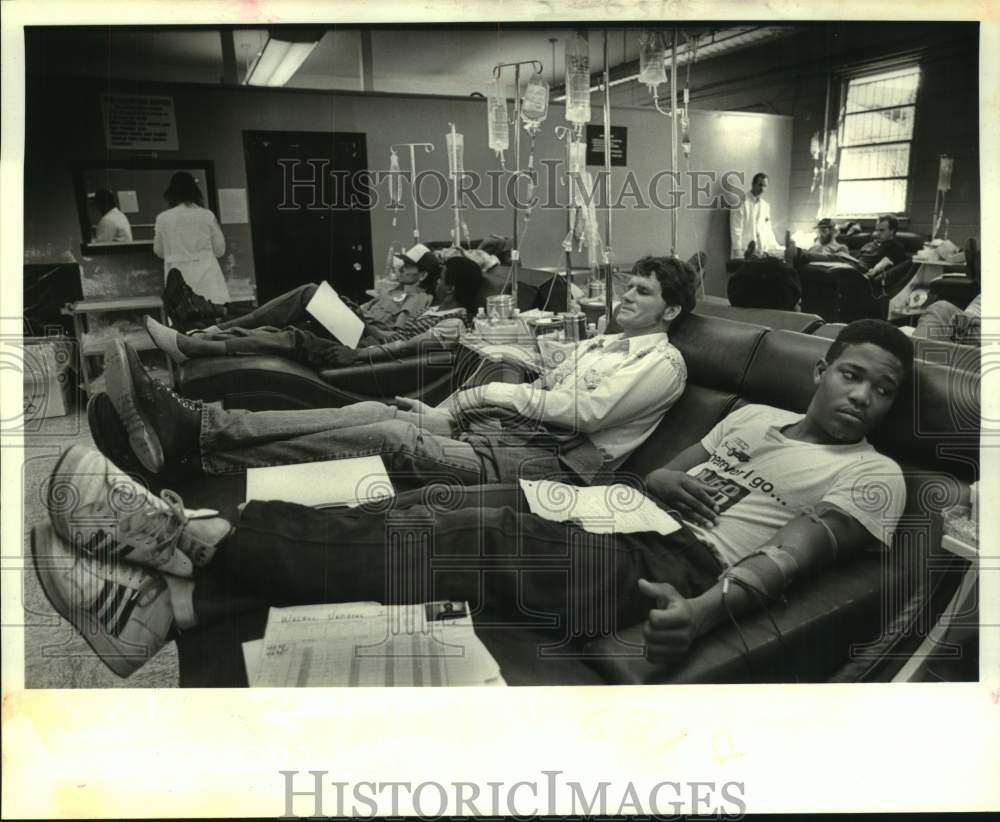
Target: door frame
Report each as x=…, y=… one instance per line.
x=365, y=214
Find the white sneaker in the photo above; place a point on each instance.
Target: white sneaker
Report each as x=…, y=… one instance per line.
x=122, y=610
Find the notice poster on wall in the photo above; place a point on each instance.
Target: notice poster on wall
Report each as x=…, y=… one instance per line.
x=139, y=121
x=595, y=145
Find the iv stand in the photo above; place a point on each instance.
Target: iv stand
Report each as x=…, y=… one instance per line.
x=566, y=133
x=515, y=257
x=428, y=148
x=673, y=140
x=608, y=284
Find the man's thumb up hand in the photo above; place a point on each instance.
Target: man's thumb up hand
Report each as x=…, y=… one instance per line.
x=663, y=592
x=670, y=627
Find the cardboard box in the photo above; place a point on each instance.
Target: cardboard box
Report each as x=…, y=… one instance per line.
x=48, y=377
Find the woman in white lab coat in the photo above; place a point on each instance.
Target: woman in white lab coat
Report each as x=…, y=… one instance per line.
x=189, y=239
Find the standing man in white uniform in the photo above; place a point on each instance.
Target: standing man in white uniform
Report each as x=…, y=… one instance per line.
x=189, y=239
x=750, y=222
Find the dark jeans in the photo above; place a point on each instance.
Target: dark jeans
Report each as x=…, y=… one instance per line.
x=288, y=309
x=281, y=328
x=478, y=544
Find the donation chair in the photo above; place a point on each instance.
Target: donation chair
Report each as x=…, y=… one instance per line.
x=858, y=620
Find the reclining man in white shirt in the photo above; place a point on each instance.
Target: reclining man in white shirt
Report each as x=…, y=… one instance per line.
x=766, y=497
x=584, y=417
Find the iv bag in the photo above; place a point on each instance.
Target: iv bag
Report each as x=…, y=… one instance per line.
x=945, y=166
x=578, y=78
x=576, y=153
x=456, y=149
x=497, y=122
x=395, y=185
x=652, y=59
x=395, y=181
x=831, y=149
x=535, y=103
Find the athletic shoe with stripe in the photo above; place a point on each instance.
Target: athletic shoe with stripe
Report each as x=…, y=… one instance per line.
x=123, y=611
x=101, y=511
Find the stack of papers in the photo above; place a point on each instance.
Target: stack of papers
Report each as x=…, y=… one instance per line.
x=349, y=482
x=332, y=313
x=599, y=509
x=370, y=645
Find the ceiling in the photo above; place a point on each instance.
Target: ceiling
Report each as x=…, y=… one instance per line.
x=416, y=60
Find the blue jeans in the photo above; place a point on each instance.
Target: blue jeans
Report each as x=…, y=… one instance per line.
x=417, y=448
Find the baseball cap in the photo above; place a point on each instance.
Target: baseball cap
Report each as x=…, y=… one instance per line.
x=420, y=256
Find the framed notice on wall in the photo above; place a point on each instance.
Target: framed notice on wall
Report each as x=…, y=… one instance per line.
x=595, y=145
x=144, y=121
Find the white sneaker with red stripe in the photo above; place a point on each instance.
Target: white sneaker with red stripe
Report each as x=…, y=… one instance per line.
x=123, y=611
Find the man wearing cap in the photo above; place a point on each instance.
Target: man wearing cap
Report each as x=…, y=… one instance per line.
x=417, y=272
x=283, y=327
x=826, y=242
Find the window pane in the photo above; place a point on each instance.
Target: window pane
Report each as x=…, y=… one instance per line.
x=891, y=125
x=897, y=88
x=871, y=197
x=876, y=161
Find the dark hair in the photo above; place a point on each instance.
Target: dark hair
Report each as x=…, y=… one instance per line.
x=182, y=189
x=466, y=277
x=678, y=281
x=877, y=332
x=892, y=221
x=765, y=283
x=105, y=200
x=760, y=175
x=430, y=266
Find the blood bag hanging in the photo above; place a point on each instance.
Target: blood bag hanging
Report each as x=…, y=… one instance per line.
x=535, y=104
x=652, y=64
x=456, y=168
x=652, y=59
x=498, y=123
x=578, y=78
x=395, y=186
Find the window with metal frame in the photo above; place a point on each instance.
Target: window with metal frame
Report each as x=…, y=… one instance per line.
x=875, y=135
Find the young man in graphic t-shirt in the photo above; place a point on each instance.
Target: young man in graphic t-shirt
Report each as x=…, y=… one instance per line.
x=767, y=496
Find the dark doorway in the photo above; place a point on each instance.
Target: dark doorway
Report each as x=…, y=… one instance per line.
x=300, y=186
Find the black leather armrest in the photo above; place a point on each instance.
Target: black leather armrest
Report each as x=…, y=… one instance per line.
x=823, y=618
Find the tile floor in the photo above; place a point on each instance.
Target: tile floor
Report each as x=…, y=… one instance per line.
x=56, y=656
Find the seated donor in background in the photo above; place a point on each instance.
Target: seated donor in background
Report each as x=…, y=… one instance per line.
x=874, y=258
x=283, y=328
x=584, y=416
x=766, y=497
x=826, y=242
x=943, y=320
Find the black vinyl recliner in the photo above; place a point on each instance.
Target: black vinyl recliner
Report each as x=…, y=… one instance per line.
x=262, y=383
x=855, y=621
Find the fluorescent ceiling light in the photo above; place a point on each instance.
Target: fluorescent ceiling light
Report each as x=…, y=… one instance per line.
x=281, y=57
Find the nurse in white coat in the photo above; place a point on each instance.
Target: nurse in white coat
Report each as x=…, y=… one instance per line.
x=189, y=239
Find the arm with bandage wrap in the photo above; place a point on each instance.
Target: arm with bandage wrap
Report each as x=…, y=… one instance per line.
x=804, y=546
